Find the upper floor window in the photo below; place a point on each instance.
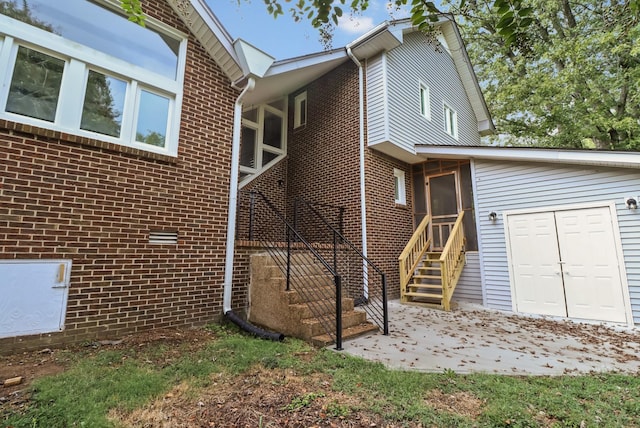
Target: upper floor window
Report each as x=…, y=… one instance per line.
x=450, y=121
x=300, y=110
x=104, y=78
x=262, y=140
x=425, y=103
x=399, y=187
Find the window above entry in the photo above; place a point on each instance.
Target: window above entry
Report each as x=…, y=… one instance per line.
x=81, y=67
x=300, y=110
x=263, y=139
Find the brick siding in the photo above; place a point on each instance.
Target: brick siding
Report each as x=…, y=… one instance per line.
x=63, y=196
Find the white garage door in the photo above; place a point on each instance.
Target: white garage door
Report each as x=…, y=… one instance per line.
x=565, y=263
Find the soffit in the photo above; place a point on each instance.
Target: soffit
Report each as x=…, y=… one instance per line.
x=210, y=33
x=534, y=154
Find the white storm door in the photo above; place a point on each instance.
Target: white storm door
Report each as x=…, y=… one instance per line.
x=591, y=275
x=535, y=260
x=34, y=296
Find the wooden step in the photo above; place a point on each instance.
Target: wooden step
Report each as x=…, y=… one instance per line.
x=429, y=268
x=347, y=333
x=423, y=295
x=417, y=285
x=427, y=276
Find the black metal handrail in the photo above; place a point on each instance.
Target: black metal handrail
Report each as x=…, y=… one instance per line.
x=375, y=304
x=305, y=278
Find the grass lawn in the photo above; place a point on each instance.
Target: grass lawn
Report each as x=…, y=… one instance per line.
x=220, y=377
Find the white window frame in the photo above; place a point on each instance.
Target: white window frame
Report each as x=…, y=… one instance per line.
x=399, y=187
x=300, y=105
x=78, y=61
x=260, y=146
x=425, y=100
x=450, y=120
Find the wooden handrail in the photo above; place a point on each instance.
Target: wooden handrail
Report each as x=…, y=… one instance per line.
x=413, y=251
x=452, y=261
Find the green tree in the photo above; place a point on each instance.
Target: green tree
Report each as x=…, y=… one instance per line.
x=570, y=79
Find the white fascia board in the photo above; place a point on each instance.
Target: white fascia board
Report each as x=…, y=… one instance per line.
x=306, y=61
x=525, y=154
x=232, y=69
x=254, y=61
x=467, y=74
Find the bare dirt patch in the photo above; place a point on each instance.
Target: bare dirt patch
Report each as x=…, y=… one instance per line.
x=260, y=397
x=459, y=403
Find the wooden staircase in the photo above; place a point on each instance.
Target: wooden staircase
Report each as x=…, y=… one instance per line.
x=307, y=309
x=429, y=277
x=426, y=284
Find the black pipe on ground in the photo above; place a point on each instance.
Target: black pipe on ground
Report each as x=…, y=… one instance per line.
x=250, y=328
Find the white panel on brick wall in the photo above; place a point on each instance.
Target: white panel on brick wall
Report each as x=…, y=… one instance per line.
x=505, y=185
x=34, y=296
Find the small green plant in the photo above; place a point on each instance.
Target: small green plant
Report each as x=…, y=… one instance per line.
x=303, y=401
x=338, y=410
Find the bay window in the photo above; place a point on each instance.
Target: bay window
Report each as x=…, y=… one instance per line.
x=81, y=67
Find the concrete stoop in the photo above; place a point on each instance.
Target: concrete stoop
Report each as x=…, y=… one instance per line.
x=290, y=312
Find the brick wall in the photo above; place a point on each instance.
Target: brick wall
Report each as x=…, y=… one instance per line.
x=324, y=159
x=324, y=166
x=389, y=225
x=68, y=197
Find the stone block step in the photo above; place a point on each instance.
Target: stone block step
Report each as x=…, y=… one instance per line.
x=347, y=333
x=313, y=326
x=304, y=310
x=298, y=295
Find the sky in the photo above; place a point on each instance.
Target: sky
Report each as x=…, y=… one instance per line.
x=283, y=38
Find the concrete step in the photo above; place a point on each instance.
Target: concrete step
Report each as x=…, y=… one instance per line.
x=313, y=327
x=323, y=340
x=304, y=311
x=296, y=296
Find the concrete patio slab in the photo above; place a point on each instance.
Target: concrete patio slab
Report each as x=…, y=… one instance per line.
x=471, y=339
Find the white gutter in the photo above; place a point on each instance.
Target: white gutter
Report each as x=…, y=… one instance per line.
x=233, y=196
x=363, y=204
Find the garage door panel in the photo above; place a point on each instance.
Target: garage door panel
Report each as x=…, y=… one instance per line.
x=591, y=275
x=538, y=284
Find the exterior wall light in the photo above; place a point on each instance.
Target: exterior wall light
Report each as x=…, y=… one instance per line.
x=632, y=203
x=493, y=216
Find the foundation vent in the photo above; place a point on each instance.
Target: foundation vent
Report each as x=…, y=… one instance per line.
x=163, y=237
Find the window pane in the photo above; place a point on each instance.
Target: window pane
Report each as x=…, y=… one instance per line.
x=153, y=116
x=251, y=115
x=248, y=147
x=35, y=85
x=272, y=129
x=268, y=157
x=103, y=104
x=105, y=31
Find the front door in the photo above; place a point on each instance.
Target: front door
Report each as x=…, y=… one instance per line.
x=565, y=263
x=443, y=206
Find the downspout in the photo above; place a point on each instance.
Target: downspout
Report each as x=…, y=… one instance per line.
x=363, y=205
x=231, y=223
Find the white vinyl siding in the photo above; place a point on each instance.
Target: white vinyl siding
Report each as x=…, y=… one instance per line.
x=377, y=118
x=469, y=288
x=416, y=60
x=504, y=186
